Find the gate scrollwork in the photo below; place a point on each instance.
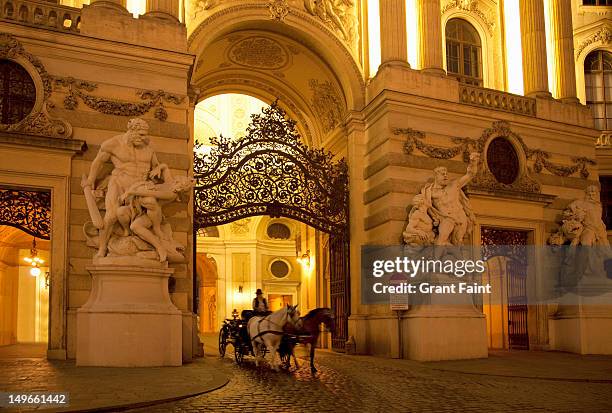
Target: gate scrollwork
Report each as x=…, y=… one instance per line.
x=28, y=210
x=269, y=171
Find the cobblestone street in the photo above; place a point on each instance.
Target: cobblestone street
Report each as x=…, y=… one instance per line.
x=370, y=384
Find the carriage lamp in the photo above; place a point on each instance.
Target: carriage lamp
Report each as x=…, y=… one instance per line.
x=235, y=314
x=304, y=260
x=34, y=260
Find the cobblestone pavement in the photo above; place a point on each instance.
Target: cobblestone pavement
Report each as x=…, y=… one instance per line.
x=371, y=384
x=107, y=387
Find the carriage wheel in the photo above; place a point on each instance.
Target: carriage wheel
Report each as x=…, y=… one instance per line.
x=222, y=342
x=239, y=354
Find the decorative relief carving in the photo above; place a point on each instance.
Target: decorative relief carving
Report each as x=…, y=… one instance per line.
x=259, y=52
x=39, y=122
x=11, y=48
x=279, y=9
x=199, y=6
x=603, y=36
x=241, y=227
x=348, y=54
x=152, y=99
x=326, y=103
x=472, y=6
x=340, y=15
x=485, y=179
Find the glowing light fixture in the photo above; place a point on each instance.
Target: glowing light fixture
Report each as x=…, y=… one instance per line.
x=34, y=260
x=514, y=50
x=304, y=260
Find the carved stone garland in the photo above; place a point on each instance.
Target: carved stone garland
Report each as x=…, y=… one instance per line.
x=39, y=122
x=152, y=99
x=485, y=179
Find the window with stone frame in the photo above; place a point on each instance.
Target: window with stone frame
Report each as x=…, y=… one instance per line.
x=598, y=87
x=463, y=52
x=17, y=92
x=597, y=2
x=606, y=199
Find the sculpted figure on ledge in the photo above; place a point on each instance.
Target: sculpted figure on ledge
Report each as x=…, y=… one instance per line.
x=441, y=213
x=133, y=195
x=583, y=228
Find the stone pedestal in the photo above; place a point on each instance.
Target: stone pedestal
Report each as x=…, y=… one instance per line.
x=449, y=332
x=583, y=323
x=129, y=319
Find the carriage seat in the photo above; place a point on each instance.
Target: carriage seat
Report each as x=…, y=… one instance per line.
x=247, y=314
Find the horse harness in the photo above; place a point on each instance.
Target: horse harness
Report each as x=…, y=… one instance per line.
x=261, y=333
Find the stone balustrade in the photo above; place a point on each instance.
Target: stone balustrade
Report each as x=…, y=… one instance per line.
x=44, y=14
x=497, y=100
x=604, y=140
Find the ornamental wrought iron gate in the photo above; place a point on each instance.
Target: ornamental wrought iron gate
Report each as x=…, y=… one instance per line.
x=26, y=209
x=511, y=245
x=270, y=171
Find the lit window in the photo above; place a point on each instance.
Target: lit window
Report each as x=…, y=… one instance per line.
x=17, y=92
x=463, y=52
x=597, y=2
x=598, y=84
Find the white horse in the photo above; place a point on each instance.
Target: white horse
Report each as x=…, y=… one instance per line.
x=268, y=331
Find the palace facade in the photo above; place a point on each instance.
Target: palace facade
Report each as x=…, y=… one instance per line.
x=395, y=87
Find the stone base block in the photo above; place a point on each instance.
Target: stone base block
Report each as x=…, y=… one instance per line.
x=582, y=335
x=431, y=337
x=129, y=319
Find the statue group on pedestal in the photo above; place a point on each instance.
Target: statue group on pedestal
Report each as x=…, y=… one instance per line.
x=134, y=193
x=441, y=212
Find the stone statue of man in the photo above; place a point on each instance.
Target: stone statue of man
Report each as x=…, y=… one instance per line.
x=448, y=206
x=133, y=161
x=589, y=209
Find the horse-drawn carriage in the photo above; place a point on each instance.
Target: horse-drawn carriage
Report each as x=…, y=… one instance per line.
x=257, y=335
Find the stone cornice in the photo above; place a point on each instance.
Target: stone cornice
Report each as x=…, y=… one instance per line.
x=71, y=145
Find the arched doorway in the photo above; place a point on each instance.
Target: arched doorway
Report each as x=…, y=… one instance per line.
x=271, y=172
x=25, y=229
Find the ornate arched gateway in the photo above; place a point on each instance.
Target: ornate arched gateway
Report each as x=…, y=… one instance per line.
x=271, y=172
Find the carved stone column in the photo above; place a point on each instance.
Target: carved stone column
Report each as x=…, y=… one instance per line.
x=563, y=50
x=430, y=29
x=533, y=39
x=393, y=36
x=163, y=9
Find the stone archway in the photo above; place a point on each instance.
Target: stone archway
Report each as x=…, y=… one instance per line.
x=271, y=172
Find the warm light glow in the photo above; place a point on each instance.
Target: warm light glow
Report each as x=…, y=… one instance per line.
x=550, y=56
x=305, y=261
x=374, y=36
x=35, y=271
x=136, y=7
x=228, y=114
x=412, y=29
x=514, y=52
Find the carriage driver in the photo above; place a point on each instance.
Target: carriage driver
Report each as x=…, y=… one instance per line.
x=260, y=304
